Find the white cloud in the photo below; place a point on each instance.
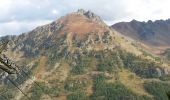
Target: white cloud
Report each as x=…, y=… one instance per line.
x=148, y=9
x=19, y=16
x=55, y=12
x=15, y=27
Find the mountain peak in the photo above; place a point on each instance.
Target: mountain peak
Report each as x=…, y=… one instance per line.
x=81, y=11
x=89, y=14
x=81, y=23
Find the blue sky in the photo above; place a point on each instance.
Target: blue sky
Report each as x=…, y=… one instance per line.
x=18, y=16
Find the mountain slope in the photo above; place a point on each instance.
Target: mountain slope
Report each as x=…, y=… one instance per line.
x=78, y=57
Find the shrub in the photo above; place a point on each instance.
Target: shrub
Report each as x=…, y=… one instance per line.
x=141, y=67
x=38, y=90
x=165, y=78
x=75, y=85
x=158, y=89
x=82, y=63
x=109, y=62
x=113, y=91
x=77, y=96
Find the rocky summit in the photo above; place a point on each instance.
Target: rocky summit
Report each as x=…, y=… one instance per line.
x=79, y=57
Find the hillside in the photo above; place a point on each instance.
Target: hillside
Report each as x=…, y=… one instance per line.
x=154, y=34
x=78, y=57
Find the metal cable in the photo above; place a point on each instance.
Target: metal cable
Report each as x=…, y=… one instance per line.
x=36, y=83
x=18, y=88
x=8, y=64
x=5, y=98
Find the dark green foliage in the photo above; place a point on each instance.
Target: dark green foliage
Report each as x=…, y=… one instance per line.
x=98, y=86
x=56, y=53
x=165, y=78
x=143, y=68
x=109, y=61
x=110, y=91
x=168, y=94
x=158, y=89
x=37, y=92
x=55, y=56
x=78, y=69
x=116, y=60
x=82, y=63
x=118, y=91
x=28, y=48
x=105, y=65
x=77, y=96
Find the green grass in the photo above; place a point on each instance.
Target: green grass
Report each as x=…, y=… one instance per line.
x=75, y=85
x=77, y=96
x=113, y=91
x=42, y=89
x=158, y=89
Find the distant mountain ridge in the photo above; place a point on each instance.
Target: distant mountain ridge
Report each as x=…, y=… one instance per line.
x=155, y=33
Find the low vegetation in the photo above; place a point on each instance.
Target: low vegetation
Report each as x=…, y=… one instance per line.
x=116, y=60
x=158, y=89
x=77, y=96
x=143, y=68
x=113, y=91
x=109, y=62
x=167, y=54
x=75, y=85
x=165, y=78
x=80, y=64
x=41, y=89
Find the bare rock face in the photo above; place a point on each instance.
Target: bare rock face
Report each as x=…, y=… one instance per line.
x=159, y=72
x=166, y=71
x=90, y=15
x=81, y=11
x=3, y=77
